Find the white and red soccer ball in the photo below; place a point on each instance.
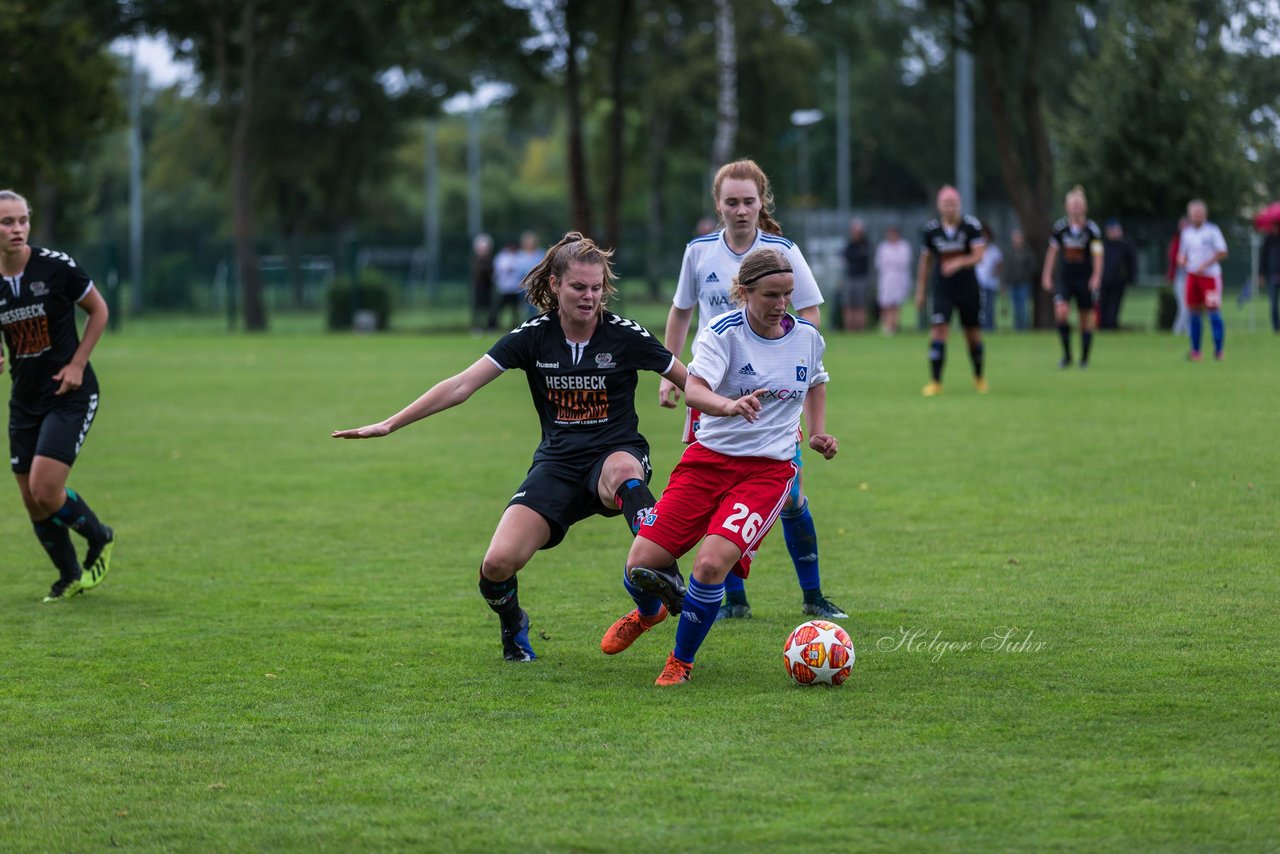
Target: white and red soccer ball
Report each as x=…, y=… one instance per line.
x=818, y=653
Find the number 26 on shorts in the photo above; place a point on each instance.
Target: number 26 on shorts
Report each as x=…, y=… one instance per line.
x=748, y=528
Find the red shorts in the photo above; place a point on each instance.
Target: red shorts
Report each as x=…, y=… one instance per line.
x=1203, y=291
x=738, y=498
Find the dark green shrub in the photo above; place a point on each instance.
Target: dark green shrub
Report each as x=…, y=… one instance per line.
x=372, y=293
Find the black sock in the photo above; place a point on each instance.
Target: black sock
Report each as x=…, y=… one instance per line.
x=503, y=599
x=57, y=543
x=636, y=501
x=1064, y=332
x=975, y=356
x=937, y=357
x=77, y=516
x=1086, y=344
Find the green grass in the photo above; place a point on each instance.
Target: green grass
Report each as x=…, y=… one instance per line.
x=290, y=653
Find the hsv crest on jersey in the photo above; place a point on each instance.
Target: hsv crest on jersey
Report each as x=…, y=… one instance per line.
x=802, y=373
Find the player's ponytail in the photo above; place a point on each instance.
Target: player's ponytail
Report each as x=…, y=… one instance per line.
x=748, y=170
x=572, y=248
x=755, y=268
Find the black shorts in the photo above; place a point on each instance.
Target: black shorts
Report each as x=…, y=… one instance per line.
x=962, y=297
x=564, y=492
x=56, y=430
x=1074, y=289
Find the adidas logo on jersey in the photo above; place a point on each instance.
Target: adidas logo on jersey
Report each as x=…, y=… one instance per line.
x=712, y=277
x=747, y=370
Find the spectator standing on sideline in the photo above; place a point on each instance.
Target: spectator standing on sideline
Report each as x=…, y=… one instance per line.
x=857, y=278
x=481, y=282
x=1178, y=279
x=1200, y=248
x=893, y=277
x=988, y=273
x=1119, y=270
x=528, y=257
x=507, y=280
x=1269, y=272
x=1020, y=271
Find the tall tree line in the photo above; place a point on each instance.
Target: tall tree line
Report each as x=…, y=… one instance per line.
x=618, y=111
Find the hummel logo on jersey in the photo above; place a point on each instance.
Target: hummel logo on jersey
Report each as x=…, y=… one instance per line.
x=628, y=324
x=546, y=364
x=747, y=370
x=61, y=256
x=712, y=277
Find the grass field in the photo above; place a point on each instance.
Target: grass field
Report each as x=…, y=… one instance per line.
x=291, y=654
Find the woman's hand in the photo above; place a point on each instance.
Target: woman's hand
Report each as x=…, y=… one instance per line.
x=668, y=394
x=825, y=444
x=371, y=431
x=748, y=406
x=70, y=378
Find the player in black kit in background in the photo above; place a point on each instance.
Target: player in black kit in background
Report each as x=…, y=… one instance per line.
x=956, y=242
x=1078, y=240
x=581, y=363
x=55, y=394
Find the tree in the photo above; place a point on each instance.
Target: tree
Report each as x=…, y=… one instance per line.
x=317, y=68
x=226, y=42
x=1012, y=43
x=1153, y=123
x=727, y=89
x=59, y=99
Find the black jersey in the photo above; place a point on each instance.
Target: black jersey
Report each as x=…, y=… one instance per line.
x=585, y=394
x=944, y=243
x=1076, y=246
x=38, y=317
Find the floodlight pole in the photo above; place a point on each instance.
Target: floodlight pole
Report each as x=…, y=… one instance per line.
x=136, y=76
x=844, y=181
x=431, y=210
x=964, y=115
x=474, y=224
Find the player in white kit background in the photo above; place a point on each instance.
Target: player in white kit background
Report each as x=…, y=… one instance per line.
x=754, y=371
x=744, y=204
x=1200, y=248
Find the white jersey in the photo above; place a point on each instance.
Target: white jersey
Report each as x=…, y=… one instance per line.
x=1199, y=245
x=735, y=361
x=709, y=267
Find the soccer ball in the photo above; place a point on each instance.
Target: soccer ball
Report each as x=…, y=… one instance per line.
x=818, y=653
